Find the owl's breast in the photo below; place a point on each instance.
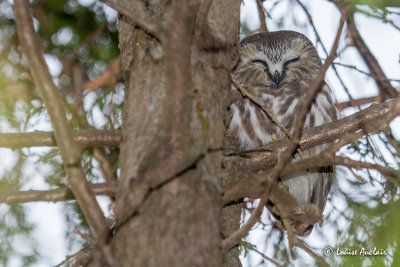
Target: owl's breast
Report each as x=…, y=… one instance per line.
x=250, y=126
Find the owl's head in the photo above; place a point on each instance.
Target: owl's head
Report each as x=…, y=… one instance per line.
x=270, y=60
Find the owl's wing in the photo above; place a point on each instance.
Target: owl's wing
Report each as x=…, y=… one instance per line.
x=326, y=174
x=322, y=187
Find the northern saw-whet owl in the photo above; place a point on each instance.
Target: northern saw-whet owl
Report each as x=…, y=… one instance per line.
x=277, y=68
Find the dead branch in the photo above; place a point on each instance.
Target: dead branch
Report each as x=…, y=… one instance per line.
x=53, y=195
x=70, y=150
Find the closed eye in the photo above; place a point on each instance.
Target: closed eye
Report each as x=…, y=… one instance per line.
x=260, y=62
x=291, y=61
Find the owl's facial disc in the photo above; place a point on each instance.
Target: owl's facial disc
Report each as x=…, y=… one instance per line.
x=275, y=70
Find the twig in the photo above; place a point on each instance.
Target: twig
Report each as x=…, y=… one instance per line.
x=265, y=257
x=359, y=178
x=70, y=150
x=53, y=195
x=149, y=28
x=113, y=69
x=261, y=15
x=379, y=16
x=363, y=72
x=300, y=244
x=357, y=102
x=107, y=78
x=107, y=169
x=324, y=160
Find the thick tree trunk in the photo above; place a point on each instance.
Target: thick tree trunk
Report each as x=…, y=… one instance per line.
x=168, y=203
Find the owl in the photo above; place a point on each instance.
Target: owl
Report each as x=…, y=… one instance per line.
x=277, y=68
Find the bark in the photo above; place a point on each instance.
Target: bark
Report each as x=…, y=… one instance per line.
x=168, y=202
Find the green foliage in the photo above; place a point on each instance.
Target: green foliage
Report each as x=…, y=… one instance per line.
x=14, y=229
x=376, y=4
x=379, y=9
x=245, y=247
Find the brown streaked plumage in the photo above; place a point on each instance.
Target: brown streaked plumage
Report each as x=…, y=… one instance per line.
x=277, y=68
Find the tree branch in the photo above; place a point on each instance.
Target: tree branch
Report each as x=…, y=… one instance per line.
x=80, y=258
x=265, y=257
x=70, y=150
x=261, y=15
x=111, y=73
x=85, y=138
x=324, y=160
x=357, y=102
x=370, y=120
x=364, y=72
x=53, y=195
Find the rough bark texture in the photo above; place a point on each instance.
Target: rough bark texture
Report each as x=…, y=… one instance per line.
x=168, y=202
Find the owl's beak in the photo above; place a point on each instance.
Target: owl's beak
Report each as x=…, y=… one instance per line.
x=277, y=78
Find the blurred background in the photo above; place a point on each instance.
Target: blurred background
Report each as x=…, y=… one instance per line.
x=80, y=41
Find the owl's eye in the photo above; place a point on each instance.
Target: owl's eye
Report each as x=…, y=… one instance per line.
x=291, y=61
x=260, y=62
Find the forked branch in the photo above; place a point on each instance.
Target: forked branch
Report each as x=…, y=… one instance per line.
x=70, y=150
